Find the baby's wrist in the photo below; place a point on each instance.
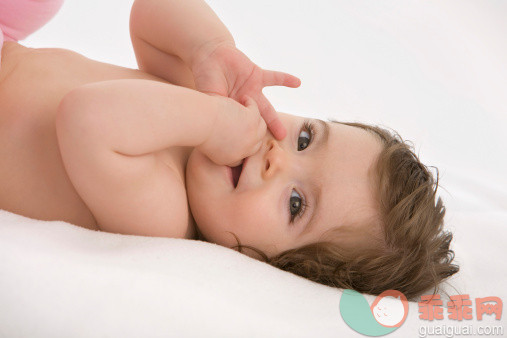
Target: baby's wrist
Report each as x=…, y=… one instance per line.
x=203, y=51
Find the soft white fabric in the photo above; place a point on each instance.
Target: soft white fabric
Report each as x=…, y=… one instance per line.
x=61, y=280
x=433, y=71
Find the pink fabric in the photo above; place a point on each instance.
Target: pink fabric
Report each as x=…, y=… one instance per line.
x=20, y=18
x=1, y=44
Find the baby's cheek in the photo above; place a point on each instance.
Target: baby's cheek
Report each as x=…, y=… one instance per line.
x=266, y=203
x=243, y=209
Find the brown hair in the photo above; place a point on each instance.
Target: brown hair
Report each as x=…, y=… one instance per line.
x=414, y=256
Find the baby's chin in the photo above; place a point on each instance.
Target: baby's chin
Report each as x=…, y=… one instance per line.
x=191, y=180
x=197, y=193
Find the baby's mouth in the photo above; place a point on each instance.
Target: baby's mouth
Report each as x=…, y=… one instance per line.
x=236, y=173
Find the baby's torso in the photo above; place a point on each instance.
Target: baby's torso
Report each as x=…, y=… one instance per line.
x=33, y=180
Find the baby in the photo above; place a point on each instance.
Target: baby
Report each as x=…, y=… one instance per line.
x=189, y=147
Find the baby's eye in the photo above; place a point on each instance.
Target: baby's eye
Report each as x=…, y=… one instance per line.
x=295, y=206
x=305, y=136
x=303, y=141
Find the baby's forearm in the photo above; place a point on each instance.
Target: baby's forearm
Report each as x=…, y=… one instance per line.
x=177, y=27
x=135, y=117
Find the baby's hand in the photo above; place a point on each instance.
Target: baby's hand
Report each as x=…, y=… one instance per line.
x=222, y=69
x=238, y=133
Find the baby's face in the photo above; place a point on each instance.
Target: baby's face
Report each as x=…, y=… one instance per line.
x=279, y=179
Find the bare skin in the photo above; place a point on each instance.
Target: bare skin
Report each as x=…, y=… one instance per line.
x=33, y=180
x=81, y=140
x=35, y=183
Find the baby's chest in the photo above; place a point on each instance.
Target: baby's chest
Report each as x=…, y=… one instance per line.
x=33, y=180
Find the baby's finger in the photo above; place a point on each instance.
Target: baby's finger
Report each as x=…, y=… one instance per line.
x=274, y=78
x=270, y=115
x=277, y=129
x=248, y=101
x=235, y=164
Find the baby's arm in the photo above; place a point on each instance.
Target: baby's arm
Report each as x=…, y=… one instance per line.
x=168, y=34
x=108, y=132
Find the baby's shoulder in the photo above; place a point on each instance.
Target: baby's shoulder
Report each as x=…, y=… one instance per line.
x=12, y=54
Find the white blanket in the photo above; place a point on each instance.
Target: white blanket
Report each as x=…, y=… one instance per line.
x=433, y=71
x=61, y=280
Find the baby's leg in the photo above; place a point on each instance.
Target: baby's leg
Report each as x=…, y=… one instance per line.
x=20, y=18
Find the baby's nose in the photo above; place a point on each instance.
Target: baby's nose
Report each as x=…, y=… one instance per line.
x=274, y=159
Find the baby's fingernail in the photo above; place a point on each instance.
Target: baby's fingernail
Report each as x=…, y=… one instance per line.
x=258, y=146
